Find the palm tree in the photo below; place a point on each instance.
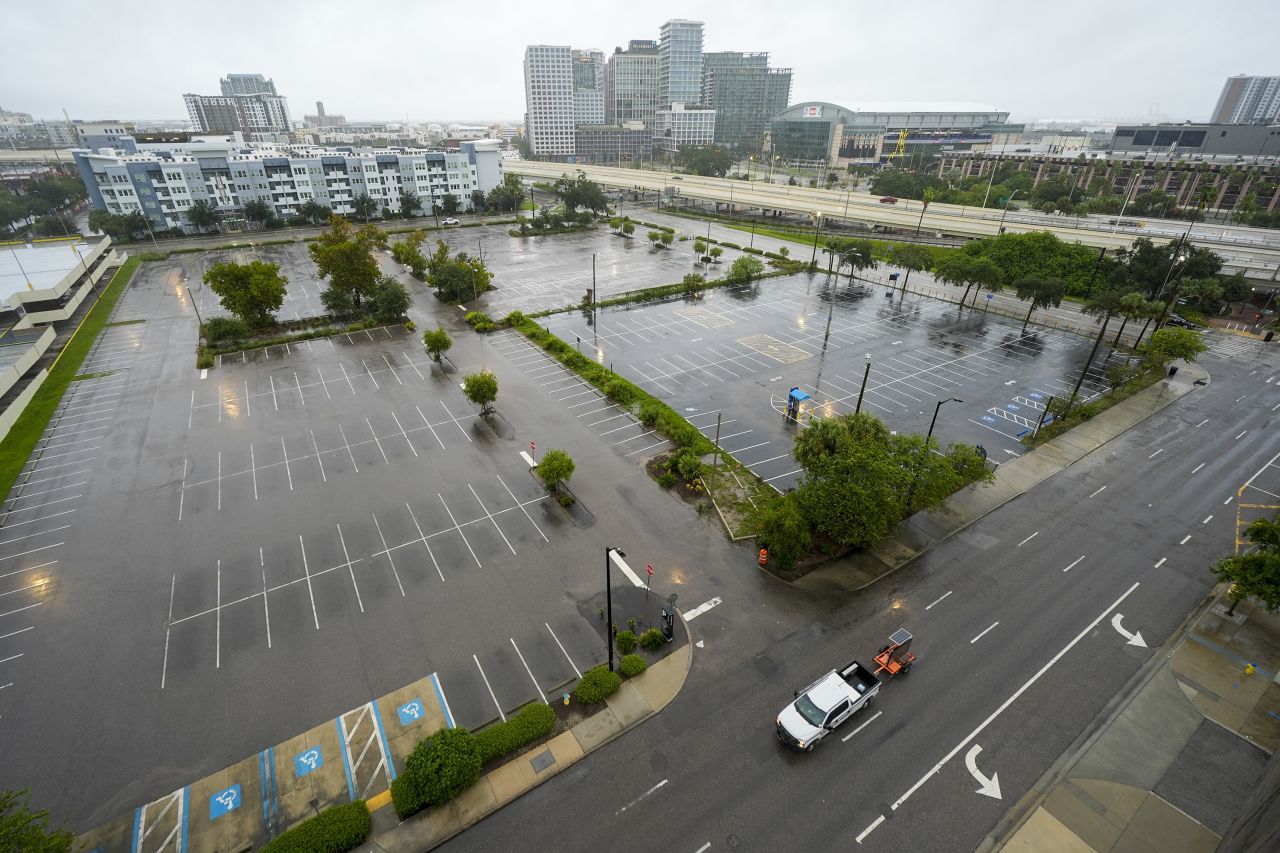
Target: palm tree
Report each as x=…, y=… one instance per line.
x=1130, y=306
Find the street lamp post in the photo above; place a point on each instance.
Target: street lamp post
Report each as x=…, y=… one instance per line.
x=863, y=389
x=608, y=598
x=817, y=226
x=915, y=480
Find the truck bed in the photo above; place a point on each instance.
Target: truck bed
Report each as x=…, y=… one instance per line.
x=861, y=679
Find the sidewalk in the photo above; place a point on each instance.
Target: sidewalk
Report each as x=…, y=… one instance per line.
x=1170, y=769
x=636, y=701
x=925, y=529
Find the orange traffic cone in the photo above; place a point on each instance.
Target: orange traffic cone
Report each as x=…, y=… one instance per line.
x=764, y=556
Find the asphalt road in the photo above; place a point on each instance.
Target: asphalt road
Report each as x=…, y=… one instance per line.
x=1018, y=654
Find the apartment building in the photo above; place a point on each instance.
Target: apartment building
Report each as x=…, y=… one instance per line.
x=745, y=93
x=548, y=97
x=588, y=87
x=631, y=84
x=680, y=58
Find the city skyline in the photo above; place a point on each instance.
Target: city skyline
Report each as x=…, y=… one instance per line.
x=885, y=55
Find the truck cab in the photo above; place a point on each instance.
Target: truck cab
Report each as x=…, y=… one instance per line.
x=821, y=707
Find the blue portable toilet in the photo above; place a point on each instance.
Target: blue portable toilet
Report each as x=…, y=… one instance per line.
x=794, y=398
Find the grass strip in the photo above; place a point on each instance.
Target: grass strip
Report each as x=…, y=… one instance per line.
x=124, y=323
x=17, y=446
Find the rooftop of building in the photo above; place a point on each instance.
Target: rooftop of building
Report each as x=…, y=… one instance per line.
x=38, y=266
x=914, y=107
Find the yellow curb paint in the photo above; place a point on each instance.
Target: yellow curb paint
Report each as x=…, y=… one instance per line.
x=380, y=801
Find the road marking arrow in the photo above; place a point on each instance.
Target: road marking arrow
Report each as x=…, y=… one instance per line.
x=989, y=787
x=1134, y=639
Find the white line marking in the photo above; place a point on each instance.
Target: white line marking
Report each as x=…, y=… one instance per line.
x=283, y=450
x=173, y=582
x=17, y=632
x=1241, y=435
x=1227, y=501
x=573, y=665
x=491, y=518
x=486, y=684
x=1074, y=563
x=248, y=410
x=219, y=479
x=980, y=636
x=422, y=536
x=1161, y=563
x=522, y=509
x=387, y=551
x=1095, y=494
x=253, y=466
x=626, y=570
x=266, y=611
x=307, y=571
x=218, y=610
x=703, y=848
x=379, y=443
x=319, y=461
x=12, y=657
x=274, y=400
x=641, y=797
x=524, y=454
x=939, y=601
x=1184, y=539
x=701, y=608
x=1197, y=468
x=1028, y=539
x=1017, y=693
x=458, y=528
x=1157, y=453
x=350, y=568
x=868, y=830
x=20, y=609
x=1207, y=519
x=845, y=739
x=526, y=669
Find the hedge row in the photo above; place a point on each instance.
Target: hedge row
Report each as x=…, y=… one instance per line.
x=205, y=356
x=660, y=416
x=335, y=830
x=632, y=665
x=596, y=685
x=439, y=769
x=533, y=722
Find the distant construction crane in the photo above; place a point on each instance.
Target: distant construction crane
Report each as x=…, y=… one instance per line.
x=900, y=149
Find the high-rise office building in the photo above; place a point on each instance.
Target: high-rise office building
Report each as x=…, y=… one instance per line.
x=548, y=98
x=745, y=93
x=680, y=62
x=260, y=117
x=1248, y=100
x=588, y=87
x=247, y=84
x=631, y=84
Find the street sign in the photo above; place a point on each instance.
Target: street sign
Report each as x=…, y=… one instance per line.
x=305, y=762
x=988, y=297
x=649, y=569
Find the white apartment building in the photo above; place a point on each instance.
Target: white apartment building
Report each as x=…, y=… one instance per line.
x=163, y=180
x=548, y=97
x=675, y=125
x=680, y=58
x=260, y=117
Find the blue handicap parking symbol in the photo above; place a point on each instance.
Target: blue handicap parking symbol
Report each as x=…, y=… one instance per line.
x=224, y=801
x=1013, y=407
x=989, y=419
x=1036, y=394
x=305, y=762
x=411, y=712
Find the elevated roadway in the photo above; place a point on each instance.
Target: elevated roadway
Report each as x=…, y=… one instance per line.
x=1256, y=251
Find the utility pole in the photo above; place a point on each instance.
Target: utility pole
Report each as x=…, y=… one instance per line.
x=863, y=389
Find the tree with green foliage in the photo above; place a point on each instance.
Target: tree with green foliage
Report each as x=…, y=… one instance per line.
x=555, y=467
x=457, y=277
x=1256, y=572
x=783, y=531
x=968, y=271
x=699, y=247
x=118, y=226
x=258, y=211
x=364, y=207
x=825, y=438
x=1039, y=293
x=910, y=257
x=666, y=238
x=410, y=204
x=745, y=269
x=655, y=238
x=437, y=342
x=694, y=284
x=715, y=254
x=436, y=771
x=202, y=215
x=857, y=255
x=314, y=212
x=1042, y=255
x=344, y=255
x=580, y=192
x=253, y=291
x=616, y=224
x=391, y=300
x=628, y=228
x=482, y=390
x=1131, y=306
x=507, y=196
x=409, y=253
x=449, y=205
x=22, y=829
x=706, y=160
x=1169, y=345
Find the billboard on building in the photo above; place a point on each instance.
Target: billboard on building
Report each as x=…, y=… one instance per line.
x=813, y=112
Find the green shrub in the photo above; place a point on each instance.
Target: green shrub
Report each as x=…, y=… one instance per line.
x=204, y=360
x=687, y=466
x=439, y=768
x=626, y=642
x=485, y=326
x=783, y=530
x=474, y=318
x=220, y=329
x=620, y=391
x=729, y=245
x=596, y=685
x=754, y=251
x=532, y=722
x=632, y=665
x=649, y=412
x=567, y=500
x=652, y=639
x=515, y=318
x=667, y=480
x=334, y=830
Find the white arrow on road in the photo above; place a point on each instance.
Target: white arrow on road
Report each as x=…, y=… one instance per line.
x=990, y=787
x=1134, y=639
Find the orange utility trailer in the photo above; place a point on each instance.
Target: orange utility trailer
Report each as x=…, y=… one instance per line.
x=895, y=658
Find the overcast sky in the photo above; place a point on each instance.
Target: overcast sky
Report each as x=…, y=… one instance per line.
x=460, y=61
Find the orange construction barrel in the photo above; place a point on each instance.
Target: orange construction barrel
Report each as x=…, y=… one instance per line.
x=764, y=556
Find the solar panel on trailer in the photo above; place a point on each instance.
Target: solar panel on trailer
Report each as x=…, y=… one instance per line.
x=901, y=637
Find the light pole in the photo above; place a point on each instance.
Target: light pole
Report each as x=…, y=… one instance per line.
x=608, y=598
x=1007, y=202
x=817, y=226
x=863, y=389
x=929, y=435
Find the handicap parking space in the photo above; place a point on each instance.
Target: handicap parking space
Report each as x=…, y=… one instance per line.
x=736, y=352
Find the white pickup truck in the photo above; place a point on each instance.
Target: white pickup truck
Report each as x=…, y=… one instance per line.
x=822, y=706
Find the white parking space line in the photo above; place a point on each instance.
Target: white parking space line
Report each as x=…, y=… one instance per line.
x=350, y=568
x=1160, y=562
x=529, y=671
x=458, y=528
x=868, y=722
x=1074, y=563
x=980, y=636
x=373, y=433
x=522, y=509
x=489, y=688
x=700, y=609
x=1197, y=468
x=347, y=445
x=423, y=539
x=310, y=592
x=387, y=551
x=1028, y=539
x=1184, y=539
x=429, y=426
x=572, y=665
x=938, y=600
x=492, y=519
x=29, y=569
x=173, y=581
x=626, y=570
x=1207, y=519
